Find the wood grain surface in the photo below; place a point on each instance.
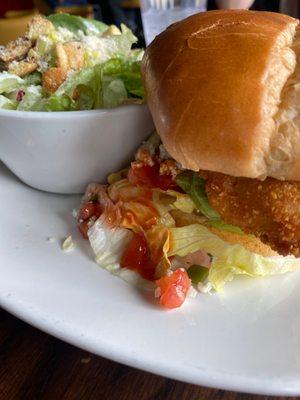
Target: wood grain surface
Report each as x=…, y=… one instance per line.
x=36, y=366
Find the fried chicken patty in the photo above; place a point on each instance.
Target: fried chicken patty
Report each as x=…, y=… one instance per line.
x=269, y=209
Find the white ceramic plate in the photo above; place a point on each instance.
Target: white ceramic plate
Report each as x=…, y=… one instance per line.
x=247, y=339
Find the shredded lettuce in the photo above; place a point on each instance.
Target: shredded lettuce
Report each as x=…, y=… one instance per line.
x=108, y=243
x=174, y=200
x=228, y=260
x=222, y=226
x=193, y=185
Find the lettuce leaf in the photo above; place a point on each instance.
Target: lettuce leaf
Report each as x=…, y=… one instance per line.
x=102, y=49
x=222, y=226
x=76, y=23
x=193, y=185
x=10, y=82
x=229, y=260
x=32, y=100
x=128, y=71
x=101, y=86
x=114, y=93
x=59, y=103
x=108, y=243
x=34, y=78
x=174, y=200
x=7, y=104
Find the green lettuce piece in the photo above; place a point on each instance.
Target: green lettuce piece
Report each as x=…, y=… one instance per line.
x=80, y=91
x=7, y=104
x=59, y=103
x=82, y=77
x=222, y=226
x=108, y=243
x=85, y=97
x=193, y=185
x=114, y=93
x=10, y=82
x=34, y=78
x=129, y=72
x=228, y=260
x=76, y=23
x=101, y=86
x=32, y=100
x=101, y=49
x=174, y=200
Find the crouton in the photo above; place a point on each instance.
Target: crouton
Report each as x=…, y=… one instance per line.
x=70, y=55
x=111, y=30
x=22, y=68
x=53, y=78
x=15, y=50
x=38, y=26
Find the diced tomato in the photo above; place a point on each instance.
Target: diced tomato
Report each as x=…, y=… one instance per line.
x=143, y=175
x=83, y=229
x=97, y=210
x=149, y=176
x=137, y=257
x=89, y=209
x=86, y=210
x=173, y=288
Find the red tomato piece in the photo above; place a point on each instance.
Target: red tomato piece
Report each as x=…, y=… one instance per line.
x=86, y=210
x=166, y=182
x=149, y=176
x=97, y=210
x=143, y=175
x=173, y=288
x=137, y=257
x=89, y=209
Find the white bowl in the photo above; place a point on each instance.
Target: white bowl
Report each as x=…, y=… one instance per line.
x=64, y=151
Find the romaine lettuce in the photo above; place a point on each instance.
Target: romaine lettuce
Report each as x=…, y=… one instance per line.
x=7, y=104
x=76, y=23
x=10, y=82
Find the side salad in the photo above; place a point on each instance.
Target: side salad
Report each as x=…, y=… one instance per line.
x=66, y=63
x=154, y=218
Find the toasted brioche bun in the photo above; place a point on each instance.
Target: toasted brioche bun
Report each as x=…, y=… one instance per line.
x=224, y=91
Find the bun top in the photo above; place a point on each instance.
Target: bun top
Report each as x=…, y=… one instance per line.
x=223, y=89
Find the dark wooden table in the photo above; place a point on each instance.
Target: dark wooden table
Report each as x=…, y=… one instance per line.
x=36, y=366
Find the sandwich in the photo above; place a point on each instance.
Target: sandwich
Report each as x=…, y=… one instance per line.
x=215, y=192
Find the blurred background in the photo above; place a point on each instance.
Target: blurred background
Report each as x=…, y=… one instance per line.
x=155, y=14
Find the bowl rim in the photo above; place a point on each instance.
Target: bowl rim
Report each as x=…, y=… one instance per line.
x=69, y=114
